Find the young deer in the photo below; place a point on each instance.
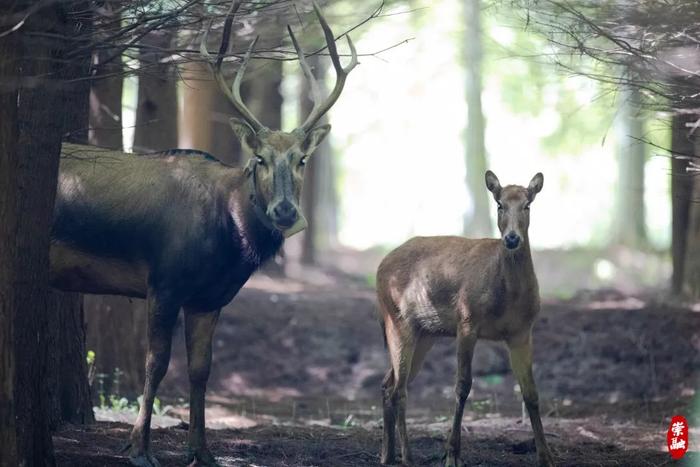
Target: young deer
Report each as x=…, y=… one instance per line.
x=431, y=287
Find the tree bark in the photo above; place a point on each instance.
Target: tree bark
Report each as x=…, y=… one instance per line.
x=30, y=141
x=9, y=213
x=681, y=188
x=70, y=399
x=478, y=222
x=630, y=226
x=198, y=94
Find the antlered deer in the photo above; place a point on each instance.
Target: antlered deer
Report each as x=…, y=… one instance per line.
x=184, y=231
x=431, y=287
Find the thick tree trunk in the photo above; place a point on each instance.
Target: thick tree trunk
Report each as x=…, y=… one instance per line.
x=478, y=223
x=30, y=140
x=70, y=397
x=10, y=209
x=156, y=112
x=630, y=226
x=199, y=92
x=681, y=187
x=70, y=393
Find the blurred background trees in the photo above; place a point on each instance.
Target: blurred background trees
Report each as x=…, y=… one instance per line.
x=647, y=52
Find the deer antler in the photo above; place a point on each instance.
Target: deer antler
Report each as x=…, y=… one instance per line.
x=234, y=92
x=321, y=107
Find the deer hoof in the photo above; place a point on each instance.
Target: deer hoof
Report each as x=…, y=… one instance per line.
x=201, y=458
x=143, y=460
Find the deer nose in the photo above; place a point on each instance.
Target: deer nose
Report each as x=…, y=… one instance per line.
x=285, y=213
x=512, y=240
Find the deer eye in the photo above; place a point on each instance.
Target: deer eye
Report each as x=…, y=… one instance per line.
x=259, y=160
x=302, y=161
x=500, y=206
x=527, y=207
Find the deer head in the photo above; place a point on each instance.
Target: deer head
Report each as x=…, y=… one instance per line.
x=513, y=208
x=277, y=158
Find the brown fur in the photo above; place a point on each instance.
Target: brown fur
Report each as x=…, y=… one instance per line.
x=432, y=287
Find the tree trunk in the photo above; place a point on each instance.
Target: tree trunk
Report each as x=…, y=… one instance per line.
x=71, y=400
x=156, y=112
x=30, y=141
x=10, y=209
x=631, y=155
x=70, y=390
x=316, y=169
x=199, y=92
x=681, y=188
x=478, y=222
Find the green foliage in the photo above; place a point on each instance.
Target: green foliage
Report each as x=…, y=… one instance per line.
x=585, y=125
x=115, y=401
x=90, y=357
x=530, y=85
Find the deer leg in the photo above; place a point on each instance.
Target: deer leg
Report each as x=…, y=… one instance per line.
x=389, y=401
x=399, y=396
x=389, y=436
x=162, y=314
x=521, y=362
x=465, y=352
x=199, y=329
x=401, y=345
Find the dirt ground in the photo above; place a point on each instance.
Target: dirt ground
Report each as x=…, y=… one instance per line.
x=297, y=367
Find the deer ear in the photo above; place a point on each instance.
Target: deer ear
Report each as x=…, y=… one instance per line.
x=249, y=140
x=493, y=185
x=313, y=138
x=535, y=186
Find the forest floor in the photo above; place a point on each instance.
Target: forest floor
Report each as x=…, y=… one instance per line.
x=298, y=364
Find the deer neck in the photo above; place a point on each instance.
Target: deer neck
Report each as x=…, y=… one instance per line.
x=517, y=267
x=259, y=240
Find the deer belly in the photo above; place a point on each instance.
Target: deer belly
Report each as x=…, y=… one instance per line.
x=77, y=271
x=426, y=315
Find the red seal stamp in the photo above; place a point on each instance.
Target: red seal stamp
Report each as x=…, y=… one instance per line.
x=677, y=437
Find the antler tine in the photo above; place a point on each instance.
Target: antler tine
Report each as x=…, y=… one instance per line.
x=341, y=73
x=313, y=83
x=233, y=93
